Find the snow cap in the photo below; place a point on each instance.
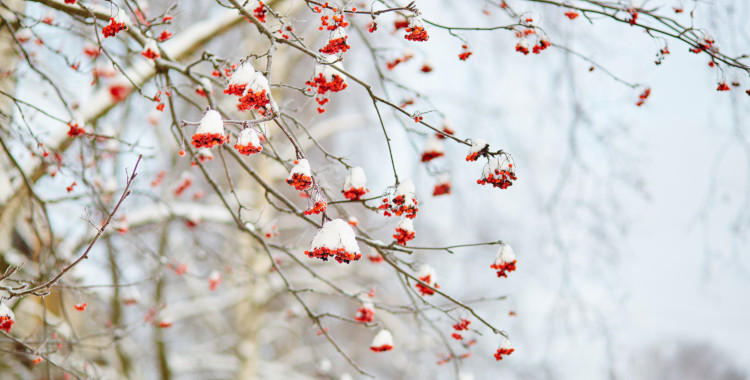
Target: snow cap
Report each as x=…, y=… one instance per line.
x=425, y=271
x=405, y=188
x=211, y=123
x=382, y=339
x=406, y=224
x=506, y=344
x=477, y=145
x=301, y=167
x=248, y=136
x=336, y=234
x=338, y=33
x=356, y=179
x=433, y=144
x=505, y=255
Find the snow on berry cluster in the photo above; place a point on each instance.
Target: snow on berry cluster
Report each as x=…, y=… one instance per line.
x=505, y=349
x=443, y=186
x=383, y=341
x=326, y=79
x=355, y=184
x=6, y=318
x=335, y=239
x=248, y=142
x=415, y=31
x=404, y=231
x=479, y=147
x=336, y=42
x=319, y=204
x=251, y=86
x=366, y=313
x=116, y=24
x=151, y=50
x=428, y=276
x=433, y=148
x=300, y=177
x=505, y=261
x=258, y=9
x=210, y=131
x=498, y=172
x=403, y=202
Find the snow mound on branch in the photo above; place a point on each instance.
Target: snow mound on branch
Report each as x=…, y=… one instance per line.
x=211, y=123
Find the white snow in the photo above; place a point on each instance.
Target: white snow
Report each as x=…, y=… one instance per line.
x=204, y=153
x=214, y=276
x=505, y=255
x=338, y=33
x=382, y=338
x=416, y=22
x=490, y=167
x=121, y=18
x=211, y=123
x=443, y=179
x=248, y=136
x=301, y=167
x=334, y=235
x=356, y=179
x=5, y=311
x=433, y=144
x=325, y=366
x=151, y=45
x=328, y=70
x=425, y=271
x=506, y=344
x=406, y=188
x=477, y=145
x=406, y=224
x=368, y=305
x=465, y=376
x=246, y=74
x=243, y=74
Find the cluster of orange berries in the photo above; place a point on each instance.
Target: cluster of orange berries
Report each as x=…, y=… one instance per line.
x=643, y=96
x=441, y=189
x=75, y=130
x=113, y=27
x=466, y=53
x=336, y=21
x=424, y=290
x=402, y=235
x=323, y=86
x=319, y=207
x=500, y=178
x=209, y=140
x=399, y=207
x=336, y=45
x=571, y=15
x=259, y=12
x=253, y=100
x=354, y=194
x=416, y=33
x=340, y=255
x=365, y=315
x=392, y=64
